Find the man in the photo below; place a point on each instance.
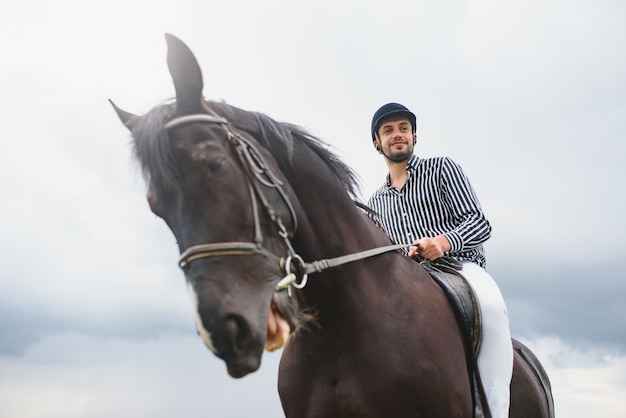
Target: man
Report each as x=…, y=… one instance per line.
x=429, y=202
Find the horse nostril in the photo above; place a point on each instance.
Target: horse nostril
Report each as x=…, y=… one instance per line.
x=237, y=330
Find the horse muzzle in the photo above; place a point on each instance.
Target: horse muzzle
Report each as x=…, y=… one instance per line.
x=238, y=348
x=230, y=337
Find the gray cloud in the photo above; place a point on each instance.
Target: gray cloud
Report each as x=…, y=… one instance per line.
x=170, y=375
x=579, y=302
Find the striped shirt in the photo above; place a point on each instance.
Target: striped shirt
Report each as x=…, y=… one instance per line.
x=436, y=199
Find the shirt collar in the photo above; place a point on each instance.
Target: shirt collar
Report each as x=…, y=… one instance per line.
x=411, y=165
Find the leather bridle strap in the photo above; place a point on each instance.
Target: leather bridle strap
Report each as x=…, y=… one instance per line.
x=197, y=117
x=218, y=249
x=321, y=265
x=318, y=266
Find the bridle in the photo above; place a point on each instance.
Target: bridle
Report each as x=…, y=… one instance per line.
x=296, y=270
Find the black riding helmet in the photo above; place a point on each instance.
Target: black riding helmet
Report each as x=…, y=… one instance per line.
x=391, y=110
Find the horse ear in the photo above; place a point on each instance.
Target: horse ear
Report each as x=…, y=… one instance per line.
x=185, y=73
x=128, y=119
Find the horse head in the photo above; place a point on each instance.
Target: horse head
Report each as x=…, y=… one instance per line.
x=227, y=203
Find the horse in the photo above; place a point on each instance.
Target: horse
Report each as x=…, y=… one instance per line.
x=249, y=199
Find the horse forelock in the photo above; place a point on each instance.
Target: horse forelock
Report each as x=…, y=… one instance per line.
x=152, y=148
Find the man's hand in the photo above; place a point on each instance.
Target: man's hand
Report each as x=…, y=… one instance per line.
x=430, y=248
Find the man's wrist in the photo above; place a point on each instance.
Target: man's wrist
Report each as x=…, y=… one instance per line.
x=444, y=243
x=454, y=241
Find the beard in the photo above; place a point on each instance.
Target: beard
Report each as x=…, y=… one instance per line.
x=400, y=156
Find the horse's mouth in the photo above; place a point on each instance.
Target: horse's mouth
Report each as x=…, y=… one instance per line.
x=242, y=366
x=277, y=333
x=277, y=329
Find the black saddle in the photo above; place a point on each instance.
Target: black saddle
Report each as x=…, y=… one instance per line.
x=446, y=272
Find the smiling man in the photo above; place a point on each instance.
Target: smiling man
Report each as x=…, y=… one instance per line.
x=429, y=202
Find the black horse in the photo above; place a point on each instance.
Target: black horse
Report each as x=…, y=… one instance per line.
x=249, y=200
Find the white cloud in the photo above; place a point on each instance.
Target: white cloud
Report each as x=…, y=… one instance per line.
x=584, y=384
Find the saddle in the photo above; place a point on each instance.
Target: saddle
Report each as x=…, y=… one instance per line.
x=446, y=272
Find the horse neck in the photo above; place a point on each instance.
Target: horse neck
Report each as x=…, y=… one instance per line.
x=331, y=225
x=347, y=301
x=330, y=222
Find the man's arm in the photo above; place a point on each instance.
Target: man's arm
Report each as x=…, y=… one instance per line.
x=472, y=227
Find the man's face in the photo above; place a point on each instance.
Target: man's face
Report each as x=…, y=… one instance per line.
x=396, y=139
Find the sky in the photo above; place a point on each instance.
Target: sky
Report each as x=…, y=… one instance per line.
x=528, y=97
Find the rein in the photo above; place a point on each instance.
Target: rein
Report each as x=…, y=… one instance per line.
x=295, y=268
x=321, y=265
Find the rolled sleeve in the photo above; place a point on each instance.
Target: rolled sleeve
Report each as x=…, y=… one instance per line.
x=455, y=240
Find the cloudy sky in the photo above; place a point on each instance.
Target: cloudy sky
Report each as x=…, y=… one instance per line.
x=529, y=97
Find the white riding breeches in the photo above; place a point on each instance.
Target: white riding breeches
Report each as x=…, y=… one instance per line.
x=495, y=358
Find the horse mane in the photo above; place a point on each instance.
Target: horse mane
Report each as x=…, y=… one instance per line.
x=342, y=171
x=152, y=148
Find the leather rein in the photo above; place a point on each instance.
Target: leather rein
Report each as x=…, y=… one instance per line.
x=296, y=270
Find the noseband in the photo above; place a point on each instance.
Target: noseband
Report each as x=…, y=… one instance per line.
x=257, y=174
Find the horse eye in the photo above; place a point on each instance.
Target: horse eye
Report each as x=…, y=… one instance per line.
x=215, y=164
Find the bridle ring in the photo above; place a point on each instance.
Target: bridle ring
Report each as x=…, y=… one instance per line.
x=298, y=270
